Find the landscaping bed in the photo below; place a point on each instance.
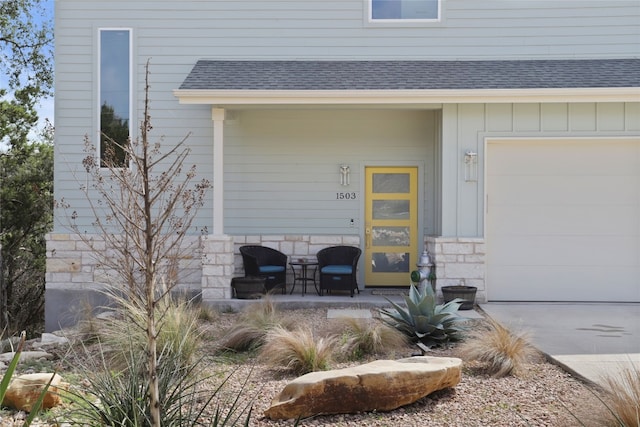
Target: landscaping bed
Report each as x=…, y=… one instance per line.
x=541, y=395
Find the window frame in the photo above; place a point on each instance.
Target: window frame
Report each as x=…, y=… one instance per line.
x=99, y=100
x=401, y=21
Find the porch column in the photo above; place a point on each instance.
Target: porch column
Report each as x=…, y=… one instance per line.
x=217, y=115
x=217, y=248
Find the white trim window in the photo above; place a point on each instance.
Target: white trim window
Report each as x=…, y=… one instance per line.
x=114, y=104
x=404, y=10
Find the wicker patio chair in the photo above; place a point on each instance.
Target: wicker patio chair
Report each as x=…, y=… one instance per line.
x=262, y=261
x=338, y=266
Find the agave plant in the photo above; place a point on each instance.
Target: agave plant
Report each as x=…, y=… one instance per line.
x=422, y=320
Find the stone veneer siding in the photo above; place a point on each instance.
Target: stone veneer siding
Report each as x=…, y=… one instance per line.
x=459, y=261
x=208, y=263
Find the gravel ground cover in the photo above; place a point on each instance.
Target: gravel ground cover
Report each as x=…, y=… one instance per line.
x=544, y=395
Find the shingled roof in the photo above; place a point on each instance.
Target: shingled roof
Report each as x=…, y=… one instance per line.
x=412, y=75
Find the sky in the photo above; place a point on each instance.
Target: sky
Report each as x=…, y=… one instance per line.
x=45, y=110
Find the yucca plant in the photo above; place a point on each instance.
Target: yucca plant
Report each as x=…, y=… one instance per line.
x=423, y=320
x=119, y=397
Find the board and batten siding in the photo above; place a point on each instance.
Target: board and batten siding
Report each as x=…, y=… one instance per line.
x=468, y=126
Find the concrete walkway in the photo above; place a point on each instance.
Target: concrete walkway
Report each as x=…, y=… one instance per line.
x=590, y=340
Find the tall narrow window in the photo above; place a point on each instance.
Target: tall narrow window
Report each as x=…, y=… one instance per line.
x=115, y=96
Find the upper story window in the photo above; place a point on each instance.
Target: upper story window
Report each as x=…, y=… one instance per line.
x=404, y=10
x=115, y=95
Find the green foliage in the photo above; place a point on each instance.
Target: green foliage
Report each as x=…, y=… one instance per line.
x=120, y=398
x=26, y=44
x=423, y=320
x=26, y=63
x=26, y=215
x=26, y=170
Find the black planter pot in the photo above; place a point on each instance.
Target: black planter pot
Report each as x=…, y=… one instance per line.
x=466, y=293
x=248, y=287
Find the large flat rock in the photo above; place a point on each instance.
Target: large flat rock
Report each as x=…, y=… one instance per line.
x=382, y=385
x=25, y=390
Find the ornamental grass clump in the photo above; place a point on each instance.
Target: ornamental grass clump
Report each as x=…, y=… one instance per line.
x=423, y=320
x=253, y=325
x=503, y=351
x=298, y=351
x=363, y=337
x=622, y=394
x=179, y=333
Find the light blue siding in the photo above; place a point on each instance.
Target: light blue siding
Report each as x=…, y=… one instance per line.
x=466, y=127
x=173, y=35
x=281, y=166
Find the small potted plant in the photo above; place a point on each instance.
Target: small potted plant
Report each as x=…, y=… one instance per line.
x=461, y=291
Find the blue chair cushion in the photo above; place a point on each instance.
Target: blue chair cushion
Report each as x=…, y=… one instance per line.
x=337, y=269
x=271, y=269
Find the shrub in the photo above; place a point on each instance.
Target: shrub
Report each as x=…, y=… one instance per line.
x=361, y=337
x=298, y=351
x=505, y=352
x=422, y=320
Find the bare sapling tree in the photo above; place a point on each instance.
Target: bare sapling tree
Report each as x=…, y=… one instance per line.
x=144, y=202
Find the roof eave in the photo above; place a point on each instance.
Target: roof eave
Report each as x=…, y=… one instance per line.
x=431, y=96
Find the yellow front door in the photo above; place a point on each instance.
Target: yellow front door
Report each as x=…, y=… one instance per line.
x=391, y=225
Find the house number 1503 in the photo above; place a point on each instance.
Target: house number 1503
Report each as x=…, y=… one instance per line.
x=345, y=196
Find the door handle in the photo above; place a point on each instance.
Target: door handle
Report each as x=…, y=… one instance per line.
x=367, y=232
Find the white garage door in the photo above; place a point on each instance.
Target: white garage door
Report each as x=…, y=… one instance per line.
x=563, y=220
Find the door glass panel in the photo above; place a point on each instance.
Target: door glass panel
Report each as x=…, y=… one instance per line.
x=390, y=236
x=390, y=262
x=390, y=183
x=391, y=209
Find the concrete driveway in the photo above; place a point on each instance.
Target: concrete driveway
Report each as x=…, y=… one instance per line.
x=590, y=340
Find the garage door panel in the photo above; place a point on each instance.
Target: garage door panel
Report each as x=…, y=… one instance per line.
x=563, y=219
x=567, y=283
x=566, y=158
x=565, y=190
x=541, y=251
